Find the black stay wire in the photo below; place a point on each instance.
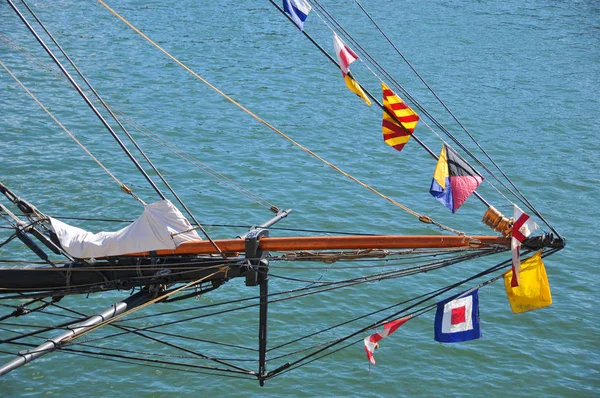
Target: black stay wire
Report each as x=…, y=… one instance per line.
x=521, y=196
x=301, y=361
x=345, y=34
x=86, y=99
x=117, y=121
x=413, y=100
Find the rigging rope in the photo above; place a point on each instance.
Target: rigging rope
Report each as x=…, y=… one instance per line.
x=108, y=126
x=424, y=111
x=116, y=119
x=520, y=195
x=85, y=98
x=191, y=159
x=422, y=218
x=121, y=184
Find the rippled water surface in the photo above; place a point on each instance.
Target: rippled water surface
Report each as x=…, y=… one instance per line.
x=522, y=76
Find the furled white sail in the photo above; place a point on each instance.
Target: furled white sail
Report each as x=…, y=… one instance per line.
x=159, y=227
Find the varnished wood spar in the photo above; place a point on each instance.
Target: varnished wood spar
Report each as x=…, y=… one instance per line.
x=335, y=243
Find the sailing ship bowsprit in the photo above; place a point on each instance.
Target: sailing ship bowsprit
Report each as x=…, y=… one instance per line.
x=167, y=257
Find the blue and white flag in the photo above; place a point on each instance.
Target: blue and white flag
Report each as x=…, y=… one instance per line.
x=298, y=9
x=457, y=319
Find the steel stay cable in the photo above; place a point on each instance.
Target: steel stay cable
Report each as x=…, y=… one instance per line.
x=161, y=297
x=353, y=282
x=292, y=291
x=322, y=288
x=238, y=373
x=391, y=258
x=350, y=283
x=424, y=111
x=415, y=314
x=212, y=314
x=522, y=196
x=141, y=306
x=383, y=108
x=71, y=350
x=361, y=50
x=358, y=318
x=139, y=333
x=424, y=309
x=152, y=353
x=94, y=355
x=123, y=328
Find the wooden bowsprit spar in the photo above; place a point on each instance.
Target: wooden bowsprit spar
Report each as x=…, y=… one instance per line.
x=247, y=257
x=340, y=243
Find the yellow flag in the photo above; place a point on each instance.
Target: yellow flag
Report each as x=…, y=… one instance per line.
x=355, y=88
x=533, y=291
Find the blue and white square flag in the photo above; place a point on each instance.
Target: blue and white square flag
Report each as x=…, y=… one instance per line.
x=457, y=319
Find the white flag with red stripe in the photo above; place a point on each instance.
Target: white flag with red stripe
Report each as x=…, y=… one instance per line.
x=523, y=226
x=345, y=55
x=372, y=342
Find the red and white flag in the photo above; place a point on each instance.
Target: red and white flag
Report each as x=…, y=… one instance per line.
x=371, y=342
x=523, y=226
x=345, y=55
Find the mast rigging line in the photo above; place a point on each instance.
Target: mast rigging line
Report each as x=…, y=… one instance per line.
x=65, y=129
x=137, y=332
x=241, y=371
x=367, y=92
x=520, y=195
x=236, y=374
x=192, y=318
x=105, y=105
x=422, y=218
x=104, y=122
x=434, y=294
x=151, y=135
x=329, y=286
x=85, y=98
x=406, y=94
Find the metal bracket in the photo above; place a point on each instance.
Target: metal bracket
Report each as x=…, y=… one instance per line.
x=254, y=256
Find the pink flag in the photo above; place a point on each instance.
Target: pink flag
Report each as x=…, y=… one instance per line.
x=523, y=226
x=344, y=54
x=371, y=342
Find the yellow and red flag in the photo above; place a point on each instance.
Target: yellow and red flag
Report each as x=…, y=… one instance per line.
x=397, y=134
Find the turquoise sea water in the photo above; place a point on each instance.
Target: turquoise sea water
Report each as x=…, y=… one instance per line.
x=522, y=76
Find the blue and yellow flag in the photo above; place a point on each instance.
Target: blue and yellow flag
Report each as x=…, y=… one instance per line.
x=454, y=180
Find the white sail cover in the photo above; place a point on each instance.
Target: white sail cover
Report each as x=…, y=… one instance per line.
x=153, y=230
